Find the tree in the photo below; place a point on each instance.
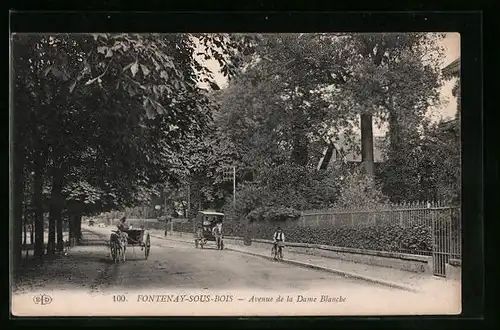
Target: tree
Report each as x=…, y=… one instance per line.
x=390, y=78
x=394, y=78
x=407, y=83
x=283, y=189
x=279, y=105
x=84, y=81
x=30, y=139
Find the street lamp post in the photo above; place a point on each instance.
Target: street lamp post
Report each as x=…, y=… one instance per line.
x=165, y=203
x=234, y=186
x=227, y=174
x=188, y=199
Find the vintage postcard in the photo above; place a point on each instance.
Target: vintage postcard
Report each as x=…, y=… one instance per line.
x=226, y=174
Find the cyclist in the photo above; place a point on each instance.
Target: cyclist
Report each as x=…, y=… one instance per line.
x=278, y=237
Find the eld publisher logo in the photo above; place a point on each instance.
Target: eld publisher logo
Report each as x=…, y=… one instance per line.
x=42, y=299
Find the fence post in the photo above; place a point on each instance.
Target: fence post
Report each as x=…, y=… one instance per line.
x=433, y=235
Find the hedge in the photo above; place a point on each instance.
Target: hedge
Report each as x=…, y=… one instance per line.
x=273, y=214
x=388, y=237
x=186, y=227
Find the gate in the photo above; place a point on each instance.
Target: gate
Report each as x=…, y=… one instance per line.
x=446, y=238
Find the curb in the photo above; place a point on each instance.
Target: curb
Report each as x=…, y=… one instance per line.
x=316, y=267
x=333, y=271
x=169, y=238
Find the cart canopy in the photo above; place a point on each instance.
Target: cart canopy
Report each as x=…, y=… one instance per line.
x=210, y=217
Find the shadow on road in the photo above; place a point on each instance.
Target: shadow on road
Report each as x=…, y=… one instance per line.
x=77, y=269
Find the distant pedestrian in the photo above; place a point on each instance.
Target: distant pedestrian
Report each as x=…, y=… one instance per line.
x=199, y=232
x=217, y=232
x=168, y=220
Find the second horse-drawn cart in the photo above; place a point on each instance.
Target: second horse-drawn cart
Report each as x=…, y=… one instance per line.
x=203, y=226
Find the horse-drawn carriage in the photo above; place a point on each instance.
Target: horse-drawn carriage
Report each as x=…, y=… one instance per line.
x=135, y=237
x=203, y=228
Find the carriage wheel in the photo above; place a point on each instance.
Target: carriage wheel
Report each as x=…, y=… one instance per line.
x=147, y=247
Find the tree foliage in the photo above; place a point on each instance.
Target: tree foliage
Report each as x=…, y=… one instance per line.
x=283, y=190
x=298, y=91
x=359, y=191
x=107, y=114
x=431, y=169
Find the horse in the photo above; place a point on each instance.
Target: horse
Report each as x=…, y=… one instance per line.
x=118, y=246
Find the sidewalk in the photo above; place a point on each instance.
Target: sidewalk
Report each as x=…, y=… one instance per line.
x=409, y=281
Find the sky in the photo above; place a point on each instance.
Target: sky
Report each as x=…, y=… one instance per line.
x=452, y=48
x=451, y=45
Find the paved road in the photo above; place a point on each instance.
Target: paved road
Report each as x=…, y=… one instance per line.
x=179, y=265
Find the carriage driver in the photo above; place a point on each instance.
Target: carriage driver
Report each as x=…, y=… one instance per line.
x=123, y=227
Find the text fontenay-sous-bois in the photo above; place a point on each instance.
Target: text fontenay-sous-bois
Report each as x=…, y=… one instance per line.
x=183, y=298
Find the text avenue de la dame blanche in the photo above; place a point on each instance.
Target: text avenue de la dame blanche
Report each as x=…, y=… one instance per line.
x=299, y=298
x=204, y=298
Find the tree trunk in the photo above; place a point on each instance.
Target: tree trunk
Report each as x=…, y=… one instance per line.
x=78, y=219
x=300, y=152
x=58, y=214
x=73, y=228
x=51, y=244
x=37, y=203
x=367, y=144
x=325, y=161
x=56, y=201
x=17, y=181
x=25, y=214
x=25, y=232
x=60, y=234
x=32, y=232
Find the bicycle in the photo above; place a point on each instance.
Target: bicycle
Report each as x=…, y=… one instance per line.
x=277, y=251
